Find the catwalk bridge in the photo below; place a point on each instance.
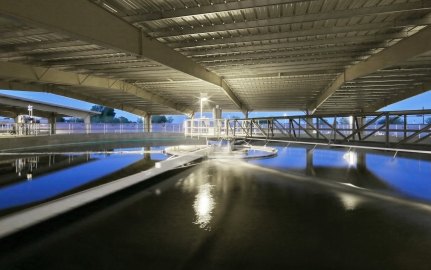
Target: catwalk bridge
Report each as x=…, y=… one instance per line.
x=398, y=129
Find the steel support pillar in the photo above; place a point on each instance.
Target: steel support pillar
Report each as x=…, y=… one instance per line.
x=52, y=120
x=147, y=123
x=87, y=122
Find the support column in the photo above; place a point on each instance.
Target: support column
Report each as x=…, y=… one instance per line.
x=217, y=120
x=52, y=120
x=87, y=122
x=245, y=123
x=217, y=112
x=147, y=123
x=246, y=114
x=143, y=123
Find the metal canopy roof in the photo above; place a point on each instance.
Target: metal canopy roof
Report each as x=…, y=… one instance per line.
x=157, y=56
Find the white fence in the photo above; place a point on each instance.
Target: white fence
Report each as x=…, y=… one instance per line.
x=82, y=128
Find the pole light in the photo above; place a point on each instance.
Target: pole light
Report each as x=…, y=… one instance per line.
x=204, y=98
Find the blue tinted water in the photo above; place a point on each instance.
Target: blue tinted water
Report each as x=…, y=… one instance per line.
x=404, y=176
x=224, y=214
x=46, y=186
x=408, y=176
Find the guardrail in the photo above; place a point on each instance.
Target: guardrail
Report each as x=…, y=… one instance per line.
x=391, y=128
x=35, y=129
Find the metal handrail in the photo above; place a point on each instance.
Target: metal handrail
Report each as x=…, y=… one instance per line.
x=390, y=128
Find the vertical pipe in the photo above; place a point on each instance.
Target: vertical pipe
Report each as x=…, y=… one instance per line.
x=290, y=127
x=387, y=130
x=335, y=128
x=405, y=126
x=299, y=127
x=268, y=124
x=226, y=124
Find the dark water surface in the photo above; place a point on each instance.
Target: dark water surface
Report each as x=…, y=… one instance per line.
x=27, y=180
x=301, y=210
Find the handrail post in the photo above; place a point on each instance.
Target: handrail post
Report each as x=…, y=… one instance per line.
x=387, y=130
x=405, y=126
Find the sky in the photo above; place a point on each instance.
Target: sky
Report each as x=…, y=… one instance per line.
x=419, y=102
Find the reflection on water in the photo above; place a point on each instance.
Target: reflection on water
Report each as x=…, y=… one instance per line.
x=412, y=177
x=27, y=165
x=351, y=158
x=56, y=174
x=260, y=218
x=350, y=201
x=203, y=206
x=401, y=175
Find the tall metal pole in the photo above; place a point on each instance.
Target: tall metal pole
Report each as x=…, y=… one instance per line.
x=203, y=98
x=201, y=107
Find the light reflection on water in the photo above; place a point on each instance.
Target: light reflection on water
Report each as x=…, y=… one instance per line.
x=409, y=176
x=405, y=176
x=204, y=206
x=260, y=218
x=351, y=158
x=204, y=203
x=350, y=201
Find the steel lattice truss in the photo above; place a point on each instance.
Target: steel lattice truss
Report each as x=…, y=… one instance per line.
x=154, y=57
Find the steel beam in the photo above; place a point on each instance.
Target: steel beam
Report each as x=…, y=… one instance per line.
x=69, y=93
x=41, y=108
x=321, y=30
x=87, y=21
x=330, y=50
x=426, y=86
x=239, y=47
x=401, y=51
x=206, y=9
x=73, y=93
x=331, y=15
x=347, y=57
x=28, y=73
x=281, y=75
